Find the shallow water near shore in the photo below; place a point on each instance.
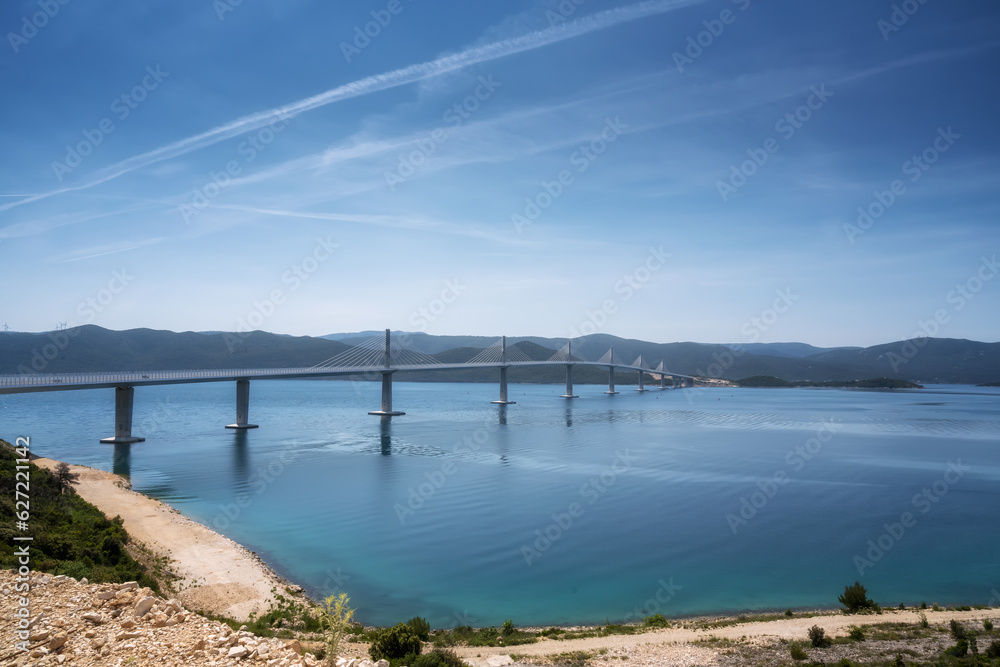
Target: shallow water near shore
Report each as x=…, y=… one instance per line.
x=553, y=511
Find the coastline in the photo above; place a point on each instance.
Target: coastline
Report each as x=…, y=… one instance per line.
x=212, y=573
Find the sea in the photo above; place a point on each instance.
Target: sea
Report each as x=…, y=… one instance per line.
x=558, y=511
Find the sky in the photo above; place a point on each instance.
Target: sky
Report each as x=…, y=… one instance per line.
x=670, y=170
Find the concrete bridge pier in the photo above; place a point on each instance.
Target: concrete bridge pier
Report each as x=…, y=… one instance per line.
x=387, y=410
x=242, y=406
x=688, y=382
x=569, y=383
x=611, y=381
x=641, y=386
x=503, y=375
x=663, y=382
x=124, y=399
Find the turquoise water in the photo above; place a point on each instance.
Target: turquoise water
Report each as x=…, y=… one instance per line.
x=636, y=498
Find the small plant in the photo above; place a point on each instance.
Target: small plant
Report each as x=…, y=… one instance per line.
x=508, y=628
x=993, y=650
x=398, y=641
x=923, y=605
x=818, y=638
x=856, y=633
x=788, y=612
x=923, y=620
x=439, y=657
x=902, y=606
x=797, y=652
x=987, y=625
x=957, y=630
x=855, y=598
x=899, y=661
x=420, y=627
x=959, y=650
x=334, y=619
x=935, y=607
x=656, y=621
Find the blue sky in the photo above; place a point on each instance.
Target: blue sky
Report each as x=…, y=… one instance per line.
x=666, y=170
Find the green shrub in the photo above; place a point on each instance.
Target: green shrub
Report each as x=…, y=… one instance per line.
x=788, y=612
x=421, y=628
x=957, y=630
x=959, y=650
x=398, y=641
x=334, y=618
x=818, y=638
x=508, y=628
x=656, y=621
x=439, y=657
x=993, y=650
x=797, y=652
x=855, y=598
x=923, y=620
x=899, y=661
x=856, y=633
x=987, y=625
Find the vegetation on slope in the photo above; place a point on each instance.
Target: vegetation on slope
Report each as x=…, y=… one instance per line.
x=70, y=536
x=873, y=383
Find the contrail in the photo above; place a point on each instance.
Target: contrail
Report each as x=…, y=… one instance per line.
x=376, y=83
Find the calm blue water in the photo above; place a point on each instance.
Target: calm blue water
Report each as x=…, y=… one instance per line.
x=650, y=479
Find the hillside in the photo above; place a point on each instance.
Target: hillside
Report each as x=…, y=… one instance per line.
x=89, y=348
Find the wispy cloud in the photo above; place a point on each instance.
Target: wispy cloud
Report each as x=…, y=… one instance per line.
x=372, y=84
x=109, y=249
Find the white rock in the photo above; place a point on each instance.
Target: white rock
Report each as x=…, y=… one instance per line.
x=499, y=660
x=238, y=652
x=96, y=619
x=144, y=605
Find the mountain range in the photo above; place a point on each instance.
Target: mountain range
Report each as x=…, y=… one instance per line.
x=92, y=348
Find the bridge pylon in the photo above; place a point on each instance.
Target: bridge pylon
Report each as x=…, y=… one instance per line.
x=569, y=372
x=503, y=374
x=387, y=410
x=611, y=373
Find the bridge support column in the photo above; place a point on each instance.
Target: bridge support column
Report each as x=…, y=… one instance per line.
x=242, y=406
x=641, y=386
x=611, y=381
x=569, y=383
x=663, y=382
x=688, y=382
x=387, y=410
x=503, y=388
x=124, y=398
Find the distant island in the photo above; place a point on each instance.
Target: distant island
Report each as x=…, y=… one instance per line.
x=873, y=383
x=989, y=384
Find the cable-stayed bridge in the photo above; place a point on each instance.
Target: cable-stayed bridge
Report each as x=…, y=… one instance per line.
x=375, y=358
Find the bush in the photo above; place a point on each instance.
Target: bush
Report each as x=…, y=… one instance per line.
x=508, y=628
x=923, y=620
x=439, y=657
x=957, y=630
x=856, y=633
x=396, y=642
x=788, y=612
x=797, y=652
x=334, y=619
x=421, y=628
x=993, y=650
x=959, y=650
x=987, y=625
x=817, y=636
x=855, y=598
x=656, y=621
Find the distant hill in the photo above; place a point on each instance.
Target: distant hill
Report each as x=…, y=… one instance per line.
x=795, y=350
x=91, y=348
